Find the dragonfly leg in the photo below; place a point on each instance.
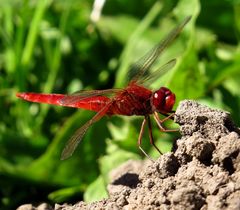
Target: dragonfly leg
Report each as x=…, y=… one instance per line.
x=140, y=140
x=160, y=122
x=151, y=136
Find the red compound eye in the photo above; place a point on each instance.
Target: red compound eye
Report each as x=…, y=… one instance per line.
x=163, y=100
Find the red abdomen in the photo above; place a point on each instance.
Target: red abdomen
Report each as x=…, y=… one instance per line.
x=94, y=103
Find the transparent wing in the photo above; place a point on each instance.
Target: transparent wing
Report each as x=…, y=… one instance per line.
x=83, y=94
x=77, y=137
x=141, y=67
x=149, y=79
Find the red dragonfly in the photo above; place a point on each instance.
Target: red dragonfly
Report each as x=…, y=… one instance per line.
x=135, y=99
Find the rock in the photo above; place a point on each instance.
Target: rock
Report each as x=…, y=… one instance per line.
x=203, y=171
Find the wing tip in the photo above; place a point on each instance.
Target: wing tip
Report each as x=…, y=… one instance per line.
x=65, y=155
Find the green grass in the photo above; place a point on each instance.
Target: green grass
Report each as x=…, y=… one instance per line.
x=51, y=46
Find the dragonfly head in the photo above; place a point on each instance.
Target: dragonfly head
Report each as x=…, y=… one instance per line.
x=163, y=100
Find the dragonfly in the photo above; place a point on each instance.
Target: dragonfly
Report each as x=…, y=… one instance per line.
x=135, y=99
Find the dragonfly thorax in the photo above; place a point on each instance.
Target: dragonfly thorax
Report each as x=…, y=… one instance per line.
x=163, y=100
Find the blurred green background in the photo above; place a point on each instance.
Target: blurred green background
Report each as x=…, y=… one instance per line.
x=53, y=47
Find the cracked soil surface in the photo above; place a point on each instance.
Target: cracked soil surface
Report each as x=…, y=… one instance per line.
x=203, y=171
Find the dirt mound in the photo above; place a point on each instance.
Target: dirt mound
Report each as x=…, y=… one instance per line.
x=202, y=173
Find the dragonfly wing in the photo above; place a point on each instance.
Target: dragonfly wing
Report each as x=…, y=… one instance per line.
x=140, y=68
x=77, y=137
x=149, y=79
x=83, y=94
